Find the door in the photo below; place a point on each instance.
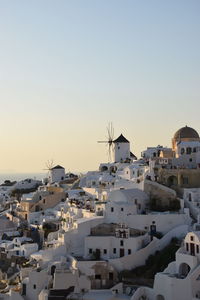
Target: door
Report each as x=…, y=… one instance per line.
x=192, y=249
x=121, y=253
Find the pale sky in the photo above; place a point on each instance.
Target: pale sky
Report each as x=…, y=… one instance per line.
x=67, y=68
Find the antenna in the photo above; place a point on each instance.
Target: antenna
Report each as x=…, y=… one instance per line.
x=109, y=141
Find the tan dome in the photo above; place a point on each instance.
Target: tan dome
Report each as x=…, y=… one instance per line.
x=186, y=133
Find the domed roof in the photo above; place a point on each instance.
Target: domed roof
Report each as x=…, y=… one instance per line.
x=186, y=133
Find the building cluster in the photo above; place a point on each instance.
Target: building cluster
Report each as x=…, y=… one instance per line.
x=76, y=237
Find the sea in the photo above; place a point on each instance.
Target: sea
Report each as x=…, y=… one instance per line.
x=21, y=176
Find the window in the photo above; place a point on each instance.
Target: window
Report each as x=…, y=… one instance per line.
x=197, y=248
x=121, y=243
x=187, y=247
x=182, y=150
x=194, y=150
x=122, y=209
x=190, y=159
x=189, y=150
x=114, y=250
x=112, y=209
x=129, y=251
x=185, y=180
x=98, y=276
x=191, y=238
x=105, y=251
x=43, y=200
x=34, y=286
x=110, y=275
x=90, y=251
x=135, y=201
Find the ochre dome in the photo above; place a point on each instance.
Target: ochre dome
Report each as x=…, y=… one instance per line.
x=186, y=133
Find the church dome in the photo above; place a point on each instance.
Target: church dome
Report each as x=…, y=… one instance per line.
x=186, y=133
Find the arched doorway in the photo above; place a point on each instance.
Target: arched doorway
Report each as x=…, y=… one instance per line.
x=172, y=180
x=104, y=168
x=53, y=268
x=160, y=297
x=184, y=269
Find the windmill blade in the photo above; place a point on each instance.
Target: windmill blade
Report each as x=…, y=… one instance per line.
x=110, y=152
x=49, y=164
x=109, y=142
x=110, y=130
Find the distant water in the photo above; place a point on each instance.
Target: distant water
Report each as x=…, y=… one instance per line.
x=21, y=176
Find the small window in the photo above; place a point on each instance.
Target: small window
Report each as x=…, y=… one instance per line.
x=105, y=251
x=34, y=286
x=112, y=209
x=182, y=150
x=129, y=251
x=43, y=200
x=90, y=251
x=121, y=243
x=110, y=275
x=122, y=209
x=190, y=159
x=135, y=201
x=114, y=250
x=191, y=238
x=98, y=276
x=187, y=247
x=197, y=248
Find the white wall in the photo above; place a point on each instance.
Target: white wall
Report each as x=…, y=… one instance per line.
x=57, y=175
x=111, y=242
x=138, y=259
x=121, y=151
x=163, y=221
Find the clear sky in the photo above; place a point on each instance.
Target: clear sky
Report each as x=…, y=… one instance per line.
x=67, y=68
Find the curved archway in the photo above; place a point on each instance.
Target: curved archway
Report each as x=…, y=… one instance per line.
x=160, y=297
x=184, y=270
x=53, y=268
x=172, y=180
x=104, y=168
x=113, y=169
